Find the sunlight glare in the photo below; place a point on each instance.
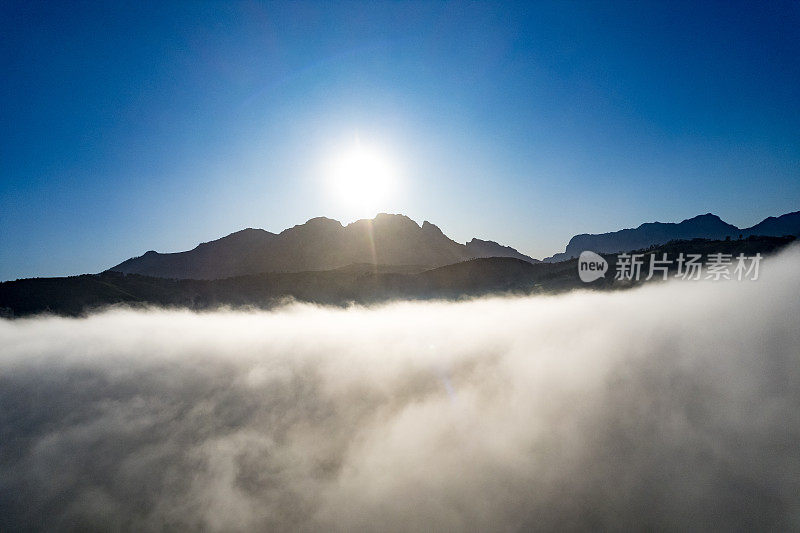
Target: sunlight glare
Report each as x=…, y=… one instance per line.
x=362, y=178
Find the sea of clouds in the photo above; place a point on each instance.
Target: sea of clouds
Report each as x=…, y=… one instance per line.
x=675, y=406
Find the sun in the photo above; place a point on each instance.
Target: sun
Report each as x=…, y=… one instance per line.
x=362, y=178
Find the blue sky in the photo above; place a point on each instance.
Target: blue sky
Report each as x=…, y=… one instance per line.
x=126, y=127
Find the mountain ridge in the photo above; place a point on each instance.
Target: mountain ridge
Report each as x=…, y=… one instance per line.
x=357, y=284
x=395, y=240
x=321, y=243
x=706, y=226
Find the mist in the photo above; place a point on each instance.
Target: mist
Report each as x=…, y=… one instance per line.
x=673, y=406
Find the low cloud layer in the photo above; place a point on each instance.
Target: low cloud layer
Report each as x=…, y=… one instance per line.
x=674, y=406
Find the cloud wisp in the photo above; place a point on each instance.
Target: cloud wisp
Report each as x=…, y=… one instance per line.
x=672, y=406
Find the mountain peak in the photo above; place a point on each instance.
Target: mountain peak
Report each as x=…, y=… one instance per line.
x=706, y=217
x=427, y=227
x=322, y=221
x=394, y=218
x=479, y=248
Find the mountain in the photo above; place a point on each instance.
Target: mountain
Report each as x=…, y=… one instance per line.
x=478, y=248
x=319, y=244
x=788, y=224
x=76, y=295
x=706, y=226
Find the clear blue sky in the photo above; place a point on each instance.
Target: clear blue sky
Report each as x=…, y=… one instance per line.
x=132, y=126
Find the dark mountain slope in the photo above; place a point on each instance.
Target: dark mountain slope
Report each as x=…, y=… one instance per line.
x=788, y=224
x=223, y=257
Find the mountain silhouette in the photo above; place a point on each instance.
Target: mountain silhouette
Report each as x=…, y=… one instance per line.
x=708, y=226
x=319, y=244
x=358, y=283
x=788, y=224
